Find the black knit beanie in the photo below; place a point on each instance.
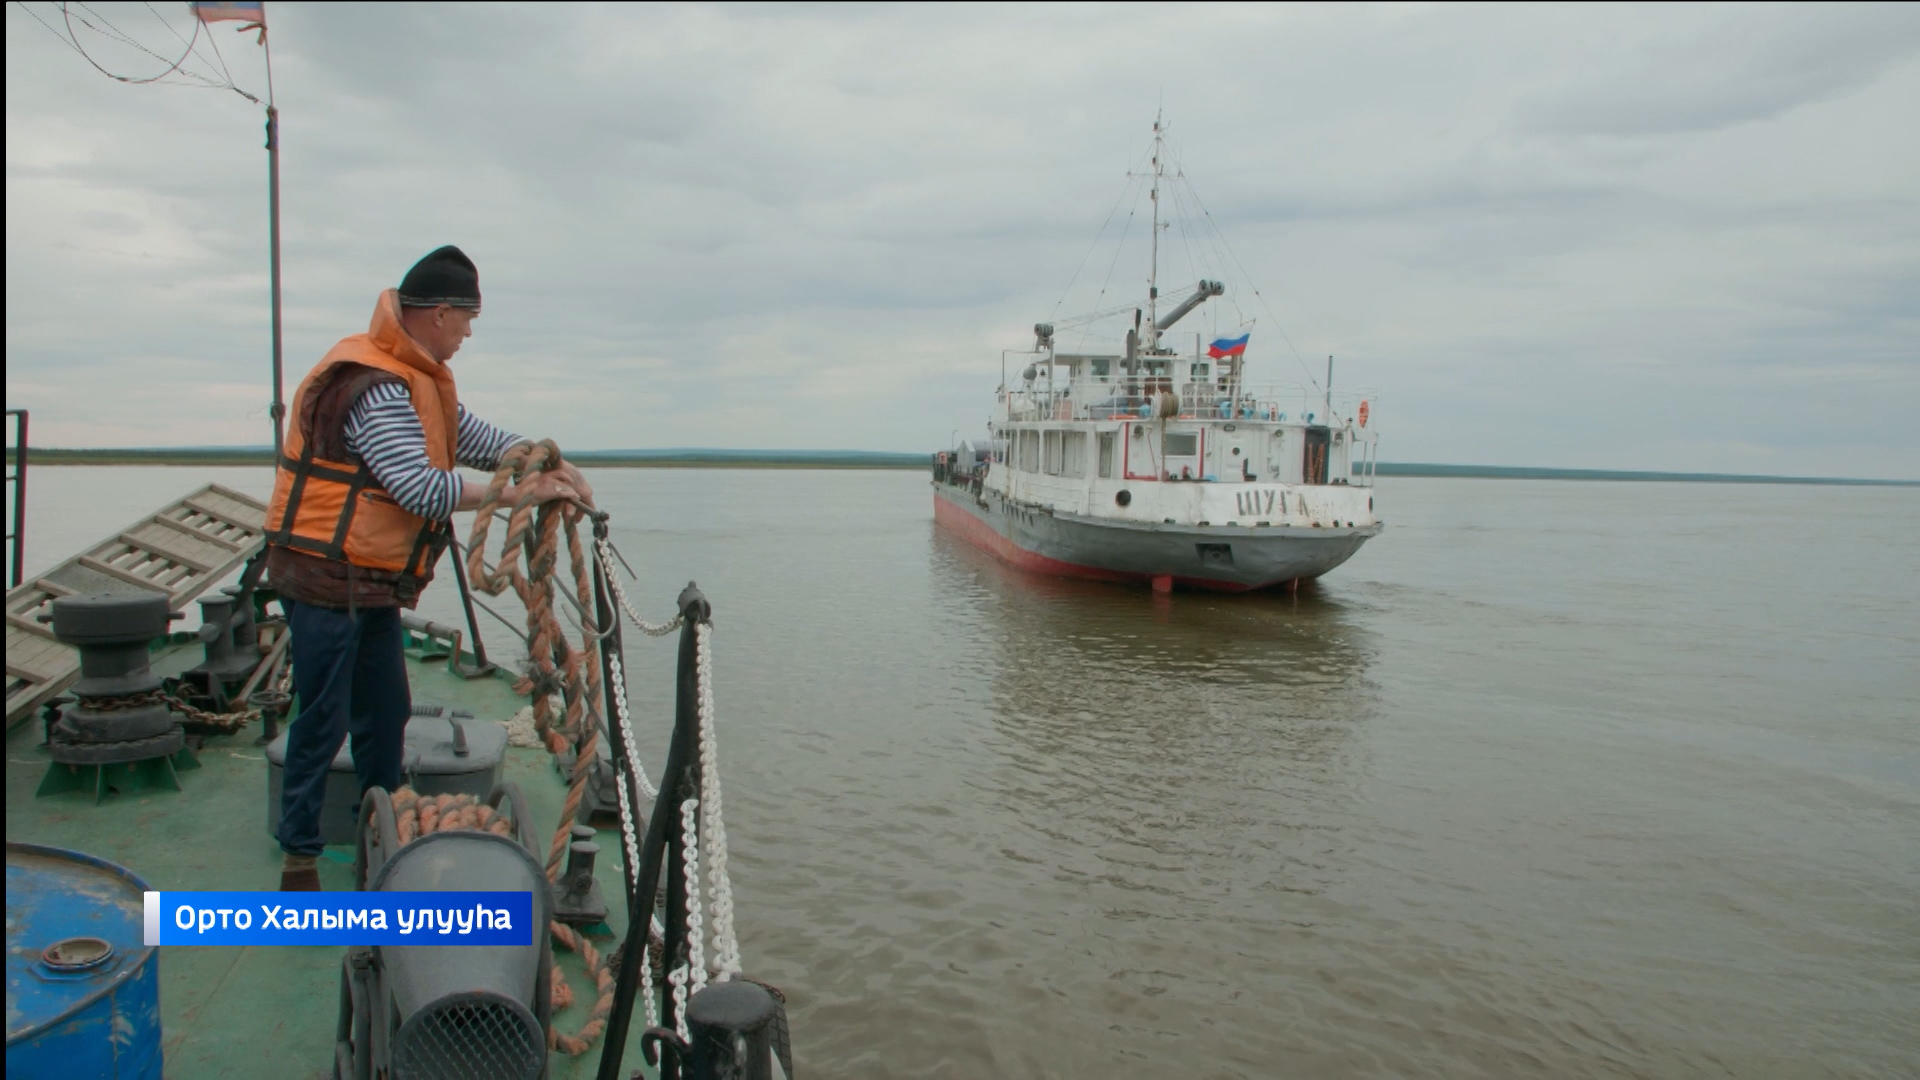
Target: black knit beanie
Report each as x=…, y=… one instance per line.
x=445, y=276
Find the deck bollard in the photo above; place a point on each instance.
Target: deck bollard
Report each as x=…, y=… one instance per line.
x=732, y=1026
x=578, y=900
x=232, y=642
x=273, y=706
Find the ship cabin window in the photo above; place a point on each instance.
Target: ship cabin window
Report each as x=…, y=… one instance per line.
x=1100, y=367
x=1183, y=455
x=1106, y=454
x=1065, y=453
x=1074, y=455
x=1199, y=372
x=1027, y=451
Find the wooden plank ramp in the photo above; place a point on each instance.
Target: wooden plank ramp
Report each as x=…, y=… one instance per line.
x=181, y=551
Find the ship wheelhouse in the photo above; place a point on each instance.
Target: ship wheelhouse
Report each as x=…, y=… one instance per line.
x=1074, y=430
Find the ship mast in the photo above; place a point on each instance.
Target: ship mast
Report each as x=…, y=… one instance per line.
x=1153, y=269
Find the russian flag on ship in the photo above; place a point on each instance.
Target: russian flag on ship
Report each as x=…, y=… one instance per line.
x=234, y=10
x=1224, y=347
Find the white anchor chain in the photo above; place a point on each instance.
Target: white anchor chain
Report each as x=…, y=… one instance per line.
x=696, y=915
x=694, y=972
x=633, y=754
x=713, y=829
x=646, y=990
x=700, y=818
x=630, y=839
x=604, y=548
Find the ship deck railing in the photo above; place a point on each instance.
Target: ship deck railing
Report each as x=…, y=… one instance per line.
x=1121, y=400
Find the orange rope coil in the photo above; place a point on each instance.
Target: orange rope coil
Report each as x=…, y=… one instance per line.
x=530, y=553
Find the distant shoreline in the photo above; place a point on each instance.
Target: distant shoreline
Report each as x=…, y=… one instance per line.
x=867, y=459
x=1525, y=472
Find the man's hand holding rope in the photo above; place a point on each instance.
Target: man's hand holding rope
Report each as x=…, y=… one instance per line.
x=563, y=482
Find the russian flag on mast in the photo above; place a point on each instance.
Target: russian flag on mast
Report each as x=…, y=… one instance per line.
x=251, y=12
x=1225, y=347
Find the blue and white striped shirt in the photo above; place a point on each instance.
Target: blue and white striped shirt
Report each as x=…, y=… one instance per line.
x=384, y=431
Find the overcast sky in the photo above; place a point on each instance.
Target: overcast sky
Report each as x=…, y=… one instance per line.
x=1663, y=238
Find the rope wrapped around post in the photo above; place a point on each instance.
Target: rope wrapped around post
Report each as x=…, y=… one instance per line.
x=530, y=553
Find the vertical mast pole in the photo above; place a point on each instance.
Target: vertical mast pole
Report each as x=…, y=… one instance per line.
x=1153, y=270
x=279, y=409
x=1329, y=405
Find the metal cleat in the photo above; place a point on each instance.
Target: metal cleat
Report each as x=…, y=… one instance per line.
x=578, y=901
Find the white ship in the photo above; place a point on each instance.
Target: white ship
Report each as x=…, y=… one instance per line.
x=1160, y=465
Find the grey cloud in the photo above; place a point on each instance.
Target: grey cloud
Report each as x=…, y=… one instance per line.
x=1741, y=66
x=856, y=208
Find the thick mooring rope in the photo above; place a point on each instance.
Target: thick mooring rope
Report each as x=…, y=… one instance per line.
x=533, y=541
x=530, y=552
x=417, y=815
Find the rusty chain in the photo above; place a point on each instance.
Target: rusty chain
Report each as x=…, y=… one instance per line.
x=225, y=722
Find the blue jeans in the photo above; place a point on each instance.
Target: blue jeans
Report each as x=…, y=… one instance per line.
x=352, y=678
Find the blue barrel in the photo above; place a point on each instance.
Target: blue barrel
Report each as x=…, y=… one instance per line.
x=83, y=987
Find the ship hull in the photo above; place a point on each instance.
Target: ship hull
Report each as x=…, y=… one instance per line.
x=1221, y=558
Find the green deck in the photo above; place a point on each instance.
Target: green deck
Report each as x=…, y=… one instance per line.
x=253, y=1012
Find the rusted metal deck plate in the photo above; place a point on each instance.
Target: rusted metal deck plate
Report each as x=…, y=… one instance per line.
x=181, y=551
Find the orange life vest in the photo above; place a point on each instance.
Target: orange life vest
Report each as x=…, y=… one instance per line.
x=335, y=509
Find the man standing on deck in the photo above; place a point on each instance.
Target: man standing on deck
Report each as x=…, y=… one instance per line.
x=363, y=498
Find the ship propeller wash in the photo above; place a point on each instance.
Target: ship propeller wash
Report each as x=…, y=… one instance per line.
x=1157, y=464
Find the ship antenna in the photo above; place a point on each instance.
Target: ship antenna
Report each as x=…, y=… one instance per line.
x=1153, y=269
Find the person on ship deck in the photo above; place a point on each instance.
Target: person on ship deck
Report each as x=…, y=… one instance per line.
x=363, y=498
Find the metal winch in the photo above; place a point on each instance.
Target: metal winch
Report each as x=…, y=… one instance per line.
x=460, y=1012
x=119, y=733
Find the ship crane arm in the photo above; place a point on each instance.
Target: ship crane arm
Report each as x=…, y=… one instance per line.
x=1201, y=294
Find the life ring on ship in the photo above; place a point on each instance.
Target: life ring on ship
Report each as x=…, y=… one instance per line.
x=1363, y=414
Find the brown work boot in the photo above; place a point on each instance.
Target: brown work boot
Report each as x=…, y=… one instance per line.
x=300, y=873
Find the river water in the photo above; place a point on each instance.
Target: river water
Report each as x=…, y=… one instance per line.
x=1568, y=779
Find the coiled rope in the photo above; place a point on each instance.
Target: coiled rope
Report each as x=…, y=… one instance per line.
x=530, y=552
x=532, y=541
